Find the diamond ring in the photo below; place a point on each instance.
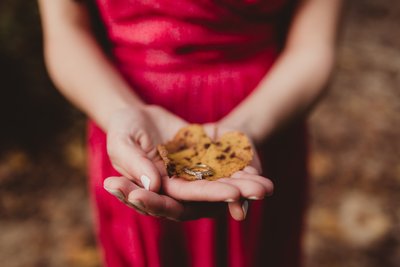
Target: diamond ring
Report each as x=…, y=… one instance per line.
x=199, y=171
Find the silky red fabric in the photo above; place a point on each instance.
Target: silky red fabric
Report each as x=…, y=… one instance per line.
x=199, y=59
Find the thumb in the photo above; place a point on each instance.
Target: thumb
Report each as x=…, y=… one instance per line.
x=211, y=130
x=132, y=162
x=144, y=170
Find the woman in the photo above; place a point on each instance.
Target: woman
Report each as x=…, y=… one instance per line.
x=253, y=66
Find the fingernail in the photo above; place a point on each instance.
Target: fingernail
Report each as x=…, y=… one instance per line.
x=245, y=207
x=145, y=182
x=115, y=192
x=229, y=200
x=254, y=198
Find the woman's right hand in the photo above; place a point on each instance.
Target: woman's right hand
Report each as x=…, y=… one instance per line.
x=132, y=139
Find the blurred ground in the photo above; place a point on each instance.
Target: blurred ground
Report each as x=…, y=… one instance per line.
x=354, y=216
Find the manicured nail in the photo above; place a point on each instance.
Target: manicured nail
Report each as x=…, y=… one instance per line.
x=145, y=182
x=115, y=192
x=229, y=200
x=254, y=198
x=245, y=207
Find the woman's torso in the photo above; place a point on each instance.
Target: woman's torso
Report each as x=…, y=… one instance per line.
x=194, y=52
x=200, y=59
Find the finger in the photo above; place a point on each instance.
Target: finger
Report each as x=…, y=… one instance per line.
x=248, y=188
x=129, y=160
x=238, y=209
x=200, y=190
x=121, y=187
x=251, y=170
x=160, y=165
x=167, y=207
x=266, y=183
x=143, y=201
x=156, y=205
x=150, y=203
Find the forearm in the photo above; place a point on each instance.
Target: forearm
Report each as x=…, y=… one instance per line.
x=298, y=77
x=78, y=66
x=289, y=90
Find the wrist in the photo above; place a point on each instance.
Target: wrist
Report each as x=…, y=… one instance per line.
x=255, y=128
x=121, y=110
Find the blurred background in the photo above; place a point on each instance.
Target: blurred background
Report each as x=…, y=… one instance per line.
x=354, y=214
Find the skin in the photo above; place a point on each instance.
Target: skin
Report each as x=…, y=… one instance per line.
x=81, y=70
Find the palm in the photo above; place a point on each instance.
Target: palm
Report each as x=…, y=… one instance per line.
x=175, y=197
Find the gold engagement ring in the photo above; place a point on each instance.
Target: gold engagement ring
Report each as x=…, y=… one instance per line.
x=199, y=171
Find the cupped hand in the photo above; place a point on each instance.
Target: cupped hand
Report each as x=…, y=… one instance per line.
x=178, y=199
x=248, y=181
x=132, y=138
x=207, y=198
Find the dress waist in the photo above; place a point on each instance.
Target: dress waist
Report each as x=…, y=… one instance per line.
x=156, y=43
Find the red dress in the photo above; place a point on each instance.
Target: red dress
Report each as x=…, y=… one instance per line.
x=199, y=59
